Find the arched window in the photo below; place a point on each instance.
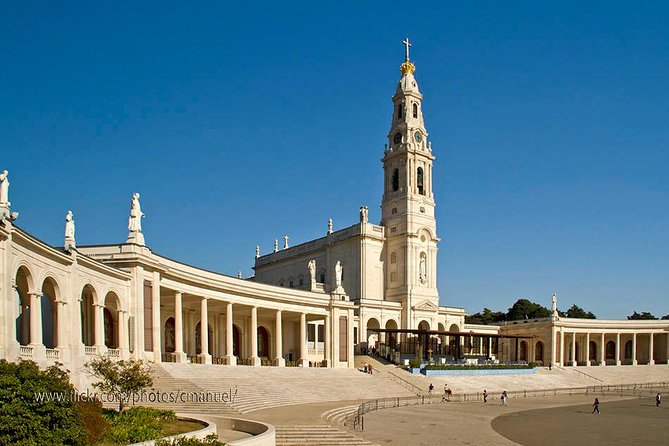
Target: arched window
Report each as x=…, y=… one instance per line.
x=419, y=181
x=539, y=352
x=263, y=342
x=396, y=180
x=611, y=350
x=397, y=138
x=393, y=257
x=169, y=335
x=399, y=111
x=415, y=110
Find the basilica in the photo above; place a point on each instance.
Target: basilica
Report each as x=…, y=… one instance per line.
x=366, y=287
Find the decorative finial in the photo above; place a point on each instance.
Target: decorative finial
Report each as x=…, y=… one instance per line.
x=285, y=242
x=257, y=251
x=407, y=66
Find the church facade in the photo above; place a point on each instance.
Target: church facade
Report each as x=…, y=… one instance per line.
x=367, y=286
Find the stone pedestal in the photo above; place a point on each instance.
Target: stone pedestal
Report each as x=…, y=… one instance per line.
x=180, y=357
x=136, y=238
x=230, y=360
x=205, y=358
x=279, y=362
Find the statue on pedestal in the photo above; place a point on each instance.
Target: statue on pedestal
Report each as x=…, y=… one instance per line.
x=554, y=304
x=257, y=251
x=330, y=225
x=285, y=242
x=4, y=188
x=311, y=266
x=364, y=214
x=276, y=245
x=136, y=214
x=69, y=232
x=338, y=274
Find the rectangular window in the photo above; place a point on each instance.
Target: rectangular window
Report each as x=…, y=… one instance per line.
x=311, y=333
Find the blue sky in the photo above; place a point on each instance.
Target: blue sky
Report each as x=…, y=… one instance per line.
x=239, y=124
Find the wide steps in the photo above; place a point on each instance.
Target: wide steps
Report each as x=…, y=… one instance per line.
x=339, y=414
x=313, y=435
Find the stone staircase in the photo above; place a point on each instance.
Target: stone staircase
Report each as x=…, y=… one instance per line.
x=316, y=435
x=339, y=414
x=258, y=388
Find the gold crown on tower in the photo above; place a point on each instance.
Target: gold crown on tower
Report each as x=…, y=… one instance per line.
x=407, y=67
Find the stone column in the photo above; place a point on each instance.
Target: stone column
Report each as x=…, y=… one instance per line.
x=562, y=355
x=634, y=361
x=602, y=353
x=255, y=360
x=36, y=340
x=123, y=345
x=573, y=349
x=99, y=327
x=278, y=341
x=205, y=357
x=230, y=358
x=179, y=354
x=617, y=348
x=155, y=302
x=63, y=341
x=651, y=361
x=328, y=342
x=220, y=326
x=587, y=349
x=304, y=362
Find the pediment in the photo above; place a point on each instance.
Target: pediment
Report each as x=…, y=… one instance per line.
x=426, y=305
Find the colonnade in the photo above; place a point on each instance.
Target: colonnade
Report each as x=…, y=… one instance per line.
x=603, y=348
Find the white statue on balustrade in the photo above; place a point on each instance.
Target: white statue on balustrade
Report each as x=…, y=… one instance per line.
x=311, y=266
x=4, y=188
x=69, y=232
x=364, y=214
x=136, y=214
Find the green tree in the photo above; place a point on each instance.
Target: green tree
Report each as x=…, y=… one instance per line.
x=38, y=407
x=524, y=308
x=120, y=379
x=485, y=317
x=577, y=312
x=641, y=316
x=665, y=317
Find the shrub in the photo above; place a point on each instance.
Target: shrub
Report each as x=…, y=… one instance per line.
x=136, y=424
x=37, y=406
x=415, y=363
x=96, y=425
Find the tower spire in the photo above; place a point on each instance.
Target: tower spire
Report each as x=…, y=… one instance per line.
x=407, y=45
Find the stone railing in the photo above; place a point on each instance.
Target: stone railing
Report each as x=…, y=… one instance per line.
x=52, y=354
x=26, y=351
x=90, y=350
x=113, y=353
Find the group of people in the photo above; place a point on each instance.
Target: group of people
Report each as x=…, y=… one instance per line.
x=505, y=397
x=447, y=392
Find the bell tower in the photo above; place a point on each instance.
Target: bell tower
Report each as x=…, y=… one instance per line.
x=407, y=208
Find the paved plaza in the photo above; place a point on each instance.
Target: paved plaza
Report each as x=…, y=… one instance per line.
x=531, y=421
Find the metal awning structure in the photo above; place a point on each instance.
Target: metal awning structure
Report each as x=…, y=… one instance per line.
x=440, y=333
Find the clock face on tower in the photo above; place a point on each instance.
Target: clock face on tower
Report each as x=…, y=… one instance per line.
x=418, y=136
x=397, y=138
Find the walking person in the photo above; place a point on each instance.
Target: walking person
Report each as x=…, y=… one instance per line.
x=658, y=400
x=430, y=389
x=447, y=394
x=596, y=406
x=485, y=396
x=505, y=398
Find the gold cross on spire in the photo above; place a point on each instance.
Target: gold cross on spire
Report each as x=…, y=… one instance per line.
x=407, y=45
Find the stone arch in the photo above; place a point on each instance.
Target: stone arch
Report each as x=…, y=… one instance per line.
x=112, y=306
x=236, y=341
x=454, y=328
x=49, y=309
x=539, y=352
x=424, y=325
x=628, y=350
x=424, y=231
x=263, y=342
x=169, y=335
x=522, y=356
x=372, y=337
x=611, y=350
x=593, y=351
x=24, y=286
x=87, y=314
x=210, y=338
